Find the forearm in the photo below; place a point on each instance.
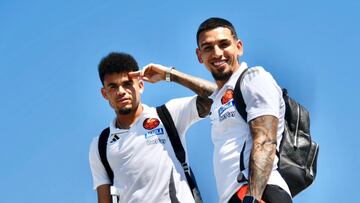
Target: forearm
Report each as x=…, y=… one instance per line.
x=263, y=130
x=154, y=73
x=103, y=193
x=201, y=87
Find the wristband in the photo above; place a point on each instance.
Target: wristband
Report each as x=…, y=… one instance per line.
x=249, y=199
x=167, y=74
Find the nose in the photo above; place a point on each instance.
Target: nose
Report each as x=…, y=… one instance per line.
x=121, y=90
x=218, y=52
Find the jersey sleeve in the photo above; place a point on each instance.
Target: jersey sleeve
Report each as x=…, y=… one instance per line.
x=98, y=171
x=184, y=113
x=261, y=94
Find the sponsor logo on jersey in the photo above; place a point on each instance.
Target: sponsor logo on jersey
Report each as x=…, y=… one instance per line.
x=155, y=141
x=228, y=95
x=227, y=102
x=157, y=131
x=151, y=123
x=227, y=115
x=224, y=107
x=152, y=136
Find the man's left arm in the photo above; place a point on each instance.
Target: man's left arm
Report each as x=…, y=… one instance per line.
x=154, y=73
x=263, y=130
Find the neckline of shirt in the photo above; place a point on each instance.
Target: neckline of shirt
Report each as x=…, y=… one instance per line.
x=231, y=81
x=114, y=129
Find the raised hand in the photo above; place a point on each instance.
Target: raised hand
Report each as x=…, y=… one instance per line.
x=151, y=73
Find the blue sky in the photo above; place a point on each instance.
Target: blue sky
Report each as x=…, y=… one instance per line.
x=51, y=105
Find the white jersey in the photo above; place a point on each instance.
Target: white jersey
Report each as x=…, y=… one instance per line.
x=142, y=158
x=230, y=132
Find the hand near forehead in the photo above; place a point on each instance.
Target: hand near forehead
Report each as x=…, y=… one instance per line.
x=150, y=73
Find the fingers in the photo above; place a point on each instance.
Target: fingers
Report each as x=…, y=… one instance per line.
x=155, y=68
x=135, y=74
x=150, y=73
x=138, y=75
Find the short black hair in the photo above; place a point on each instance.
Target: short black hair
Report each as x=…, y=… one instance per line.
x=116, y=62
x=213, y=23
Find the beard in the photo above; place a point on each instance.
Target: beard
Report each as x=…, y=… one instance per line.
x=124, y=111
x=222, y=76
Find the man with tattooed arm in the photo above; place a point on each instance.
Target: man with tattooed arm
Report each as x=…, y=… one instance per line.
x=245, y=159
x=245, y=162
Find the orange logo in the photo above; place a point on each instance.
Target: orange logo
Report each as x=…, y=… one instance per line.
x=229, y=94
x=151, y=123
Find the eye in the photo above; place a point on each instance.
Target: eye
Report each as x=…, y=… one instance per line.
x=224, y=44
x=111, y=88
x=128, y=83
x=207, y=48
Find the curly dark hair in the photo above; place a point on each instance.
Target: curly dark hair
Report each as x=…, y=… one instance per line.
x=116, y=62
x=213, y=23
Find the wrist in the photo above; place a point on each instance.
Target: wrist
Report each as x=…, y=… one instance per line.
x=250, y=199
x=168, y=74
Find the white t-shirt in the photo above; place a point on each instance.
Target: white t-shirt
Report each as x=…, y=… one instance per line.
x=230, y=132
x=144, y=164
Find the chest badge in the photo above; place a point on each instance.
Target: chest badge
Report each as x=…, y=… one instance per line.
x=151, y=123
x=228, y=95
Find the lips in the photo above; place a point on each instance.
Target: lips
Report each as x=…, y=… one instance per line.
x=123, y=100
x=220, y=65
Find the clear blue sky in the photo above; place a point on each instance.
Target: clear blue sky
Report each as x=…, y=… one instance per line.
x=51, y=105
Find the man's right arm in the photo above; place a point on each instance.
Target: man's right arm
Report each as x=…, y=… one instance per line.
x=201, y=87
x=103, y=193
x=100, y=178
x=154, y=73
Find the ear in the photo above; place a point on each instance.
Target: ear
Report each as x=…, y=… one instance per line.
x=141, y=86
x=103, y=93
x=239, y=46
x=198, y=54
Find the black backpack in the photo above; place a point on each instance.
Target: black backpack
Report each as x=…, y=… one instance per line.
x=297, y=152
x=170, y=128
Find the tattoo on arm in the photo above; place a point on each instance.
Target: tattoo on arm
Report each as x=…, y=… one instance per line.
x=203, y=106
x=263, y=130
x=201, y=87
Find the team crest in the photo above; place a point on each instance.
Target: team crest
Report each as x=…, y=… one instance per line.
x=228, y=95
x=151, y=123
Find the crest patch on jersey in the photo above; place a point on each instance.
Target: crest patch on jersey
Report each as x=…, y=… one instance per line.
x=151, y=123
x=228, y=95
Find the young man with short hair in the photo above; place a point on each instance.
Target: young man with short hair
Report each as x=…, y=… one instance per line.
x=138, y=149
x=245, y=159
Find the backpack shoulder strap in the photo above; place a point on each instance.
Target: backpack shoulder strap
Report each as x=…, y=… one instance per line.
x=173, y=134
x=238, y=98
x=102, y=151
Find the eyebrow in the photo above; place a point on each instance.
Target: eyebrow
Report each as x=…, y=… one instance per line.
x=210, y=43
x=111, y=84
x=205, y=44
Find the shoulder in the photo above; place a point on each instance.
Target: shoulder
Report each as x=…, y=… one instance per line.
x=183, y=101
x=181, y=104
x=257, y=76
x=256, y=71
x=183, y=111
x=94, y=144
